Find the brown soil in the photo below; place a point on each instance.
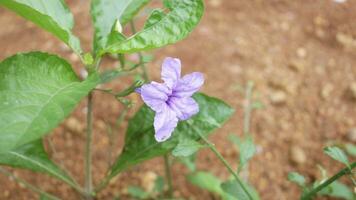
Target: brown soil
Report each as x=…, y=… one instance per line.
x=300, y=55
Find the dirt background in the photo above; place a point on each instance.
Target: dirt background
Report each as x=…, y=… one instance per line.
x=300, y=55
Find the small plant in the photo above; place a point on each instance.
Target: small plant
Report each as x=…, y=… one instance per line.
x=328, y=186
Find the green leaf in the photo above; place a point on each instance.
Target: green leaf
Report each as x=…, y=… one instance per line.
x=37, y=91
x=186, y=147
x=110, y=75
x=137, y=192
x=105, y=13
x=337, y=154
x=33, y=156
x=170, y=4
x=140, y=144
x=155, y=16
x=338, y=190
x=132, y=9
x=246, y=147
x=173, y=27
x=296, y=178
x=209, y=182
x=53, y=16
x=234, y=189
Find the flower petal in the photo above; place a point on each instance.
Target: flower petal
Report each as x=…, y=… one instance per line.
x=184, y=108
x=171, y=69
x=188, y=85
x=164, y=123
x=155, y=95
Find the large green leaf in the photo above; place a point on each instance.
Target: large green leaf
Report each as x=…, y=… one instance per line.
x=51, y=15
x=105, y=13
x=140, y=144
x=173, y=27
x=32, y=156
x=37, y=91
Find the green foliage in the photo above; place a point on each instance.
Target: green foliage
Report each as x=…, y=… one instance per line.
x=155, y=16
x=235, y=190
x=296, y=178
x=173, y=27
x=186, y=147
x=37, y=91
x=209, y=182
x=140, y=144
x=229, y=190
x=109, y=75
x=105, y=14
x=338, y=190
x=132, y=9
x=32, y=156
x=53, y=16
x=138, y=192
x=246, y=148
x=337, y=154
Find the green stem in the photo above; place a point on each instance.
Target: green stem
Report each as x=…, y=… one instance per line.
x=168, y=175
x=27, y=185
x=141, y=63
x=313, y=192
x=227, y=165
x=88, y=148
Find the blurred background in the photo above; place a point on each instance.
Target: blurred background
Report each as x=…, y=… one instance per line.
x=301, y=56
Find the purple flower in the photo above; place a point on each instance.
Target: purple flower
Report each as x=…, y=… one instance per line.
x=172, y=100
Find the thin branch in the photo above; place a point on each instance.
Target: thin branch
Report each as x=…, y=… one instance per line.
x=313, y=192
x=88, y=148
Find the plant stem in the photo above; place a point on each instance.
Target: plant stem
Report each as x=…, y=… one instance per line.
x=247, y=108
x=168, y=175
x=88, y=148
x=313, y=192
x=142, y=64
x=227, y=165
x=27, y=185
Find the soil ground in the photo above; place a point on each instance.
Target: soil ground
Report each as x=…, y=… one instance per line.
x=300, y=55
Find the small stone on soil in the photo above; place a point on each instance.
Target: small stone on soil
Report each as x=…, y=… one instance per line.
x=352, y=90
x=74, y=125
x=296, y=66
x=351, y=135
x=301, y=52
x=297, y=155
x=148, y=181
x=326, y=91
x=215, y=3
x=278, y=98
